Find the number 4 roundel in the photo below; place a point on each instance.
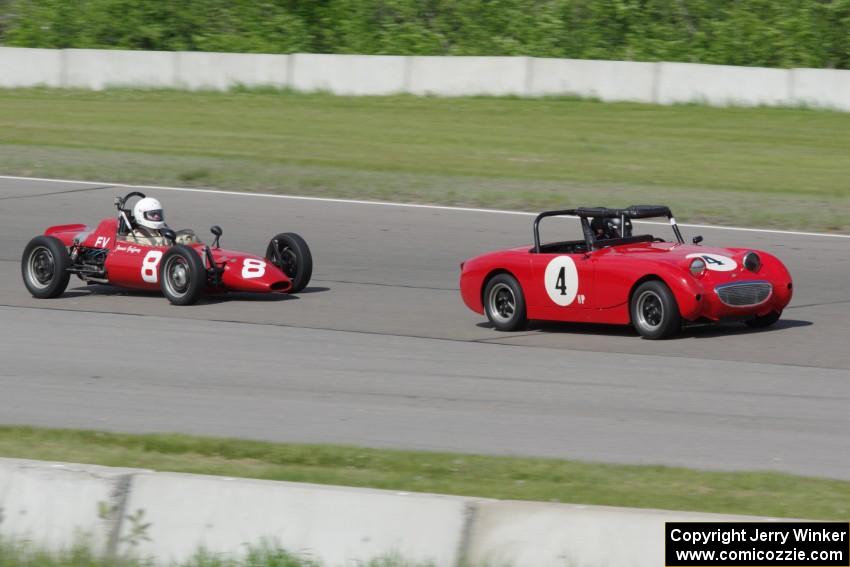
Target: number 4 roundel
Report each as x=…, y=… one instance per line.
x=561, y=280
x=716, y=262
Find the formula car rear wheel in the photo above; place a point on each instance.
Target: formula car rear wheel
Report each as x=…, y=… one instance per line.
x=504, y=303
x=654, y=311
x=44, y=267
x=764, y=320
x=289, y=252
x=182, y=275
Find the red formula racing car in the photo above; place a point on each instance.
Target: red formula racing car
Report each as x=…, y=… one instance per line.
x=611, y=275
x=177, y=263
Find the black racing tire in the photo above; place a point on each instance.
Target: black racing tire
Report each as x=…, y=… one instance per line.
x=44, y=267
x=290, y=253
x=654, y=311
x=182, y=276
x=504, y=303
x=764, y=320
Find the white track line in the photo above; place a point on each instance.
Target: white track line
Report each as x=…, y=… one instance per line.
x=391, y=204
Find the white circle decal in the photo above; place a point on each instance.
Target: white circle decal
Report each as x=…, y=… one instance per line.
x=561, y=280
x=716, y=262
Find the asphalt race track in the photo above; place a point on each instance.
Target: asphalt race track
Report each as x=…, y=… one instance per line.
x=380, y=350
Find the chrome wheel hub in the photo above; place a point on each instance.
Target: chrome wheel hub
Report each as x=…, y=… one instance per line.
x=650, y=310
x=41, y=267
x=502, y=302
x=177, y=276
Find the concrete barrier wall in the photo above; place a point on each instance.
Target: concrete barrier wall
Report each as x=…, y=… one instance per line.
x=334, y=525
x=170, y=516
x=195, y=70
x=349, y=74
x=605, y=80
x=661, y=83
x=21, y=67
x=530, y=533
x=823, y=88
x=54, y=505
x=722, y=85
x=97, y=69
x=466, y=76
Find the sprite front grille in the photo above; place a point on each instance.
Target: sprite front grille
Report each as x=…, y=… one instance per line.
x=744, y=294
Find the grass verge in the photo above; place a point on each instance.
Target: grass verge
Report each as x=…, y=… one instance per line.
x=739, y=166
x=755, y=493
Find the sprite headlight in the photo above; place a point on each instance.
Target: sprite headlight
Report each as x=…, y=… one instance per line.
x=752, y=261
x=697, y=267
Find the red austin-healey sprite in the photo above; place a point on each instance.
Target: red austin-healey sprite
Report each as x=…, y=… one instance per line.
x=178, y=264
x=613, y=276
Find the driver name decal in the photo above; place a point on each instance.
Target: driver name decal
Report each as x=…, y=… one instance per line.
x=716, y=262
x=561, y=280
x=128, y=249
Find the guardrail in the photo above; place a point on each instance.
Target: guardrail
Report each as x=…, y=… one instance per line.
x=170, y=516
x=660, y=83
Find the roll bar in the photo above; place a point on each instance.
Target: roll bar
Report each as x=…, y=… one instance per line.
x=543, y=215
x=119, y=201
x=124, y=224
x=583, y=213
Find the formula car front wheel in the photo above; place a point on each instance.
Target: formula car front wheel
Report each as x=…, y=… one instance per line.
x=764, y=320
x=504, y=303
x=290, y=253
x=44, y=267
x=655, y=313
x=182, y=275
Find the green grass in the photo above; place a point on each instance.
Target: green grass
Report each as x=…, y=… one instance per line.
x=756, y=493
x=787, y=168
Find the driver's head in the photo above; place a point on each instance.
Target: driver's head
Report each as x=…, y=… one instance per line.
x=597, y=225
x=615, y=228
x=148, y=213
x=605, y=228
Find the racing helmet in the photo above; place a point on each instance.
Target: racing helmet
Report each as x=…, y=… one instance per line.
x=148, y=213
x=609, y=227
x=597, y=225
